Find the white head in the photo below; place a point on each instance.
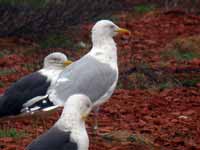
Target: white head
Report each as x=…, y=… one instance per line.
x=78, y=105
x=56, y=59
x=106, y=29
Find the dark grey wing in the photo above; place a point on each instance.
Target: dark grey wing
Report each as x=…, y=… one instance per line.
x=53, y=139
x=21, y=91
x=87, y=76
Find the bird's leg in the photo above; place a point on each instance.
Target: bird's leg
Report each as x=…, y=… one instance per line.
x=96, y=112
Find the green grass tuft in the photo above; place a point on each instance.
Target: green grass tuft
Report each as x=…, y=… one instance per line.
x=4, y=52
x=56, y=41
x=1, y=84
x=5, y=72
x=12, y=133
x=181, y=55
x=165, y=85
x=142, y=140
x=190, y=83
x=183, y=49
x=144, y=8
x=30, y=67
x=1, y=54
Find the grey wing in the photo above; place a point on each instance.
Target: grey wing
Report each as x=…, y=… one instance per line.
x=53, y=139
x=87, y=76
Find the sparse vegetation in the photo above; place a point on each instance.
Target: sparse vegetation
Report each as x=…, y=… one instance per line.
x=1, y=55
x=165, y=85
x=142, y=140
x=5, y=72
x=56, y=41
x=190, y=83
x=43, y=17
x=126, y=136
x=11, y=133
x=160, y=82
x=1, y=84
x=183, y=49
x=144, y=8
x=4, y=52
x=30, y=67
x=180, y=55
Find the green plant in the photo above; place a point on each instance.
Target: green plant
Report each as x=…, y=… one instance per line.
x=141, y=140
x=11, y=133
x=165, y=85
x=56, y=41
x=183, y=49
x=1, y=84
x=144, y=8
x=5, y=72
x=4, y=52
x=1, y=54
x=30, y=67
x=181, y=55
x=188, y=55
x=190, y=83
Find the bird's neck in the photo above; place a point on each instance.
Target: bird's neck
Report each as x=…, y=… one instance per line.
x=104, y=49
x=72, y=122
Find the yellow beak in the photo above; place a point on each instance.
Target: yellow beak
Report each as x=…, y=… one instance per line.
x=85, y=114
x=67, y=62
x=84, y=117
x=122, y=30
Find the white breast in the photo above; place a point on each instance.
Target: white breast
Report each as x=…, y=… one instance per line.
x=52, y=74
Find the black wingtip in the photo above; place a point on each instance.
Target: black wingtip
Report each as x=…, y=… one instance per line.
x=39, y=105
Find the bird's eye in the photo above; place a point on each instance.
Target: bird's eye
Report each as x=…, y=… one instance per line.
x=88, y=105
x=55, y=59
x=111, y=26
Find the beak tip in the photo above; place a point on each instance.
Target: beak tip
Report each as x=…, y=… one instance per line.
x=125, y=31
x=84, y=117
x=67, y=62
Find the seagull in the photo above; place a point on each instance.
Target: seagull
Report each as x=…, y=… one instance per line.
x=33, y=87
x=95, y=74
x=69, y=132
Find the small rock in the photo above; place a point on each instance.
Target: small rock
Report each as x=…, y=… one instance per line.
x=82, y=44
x=183, y=117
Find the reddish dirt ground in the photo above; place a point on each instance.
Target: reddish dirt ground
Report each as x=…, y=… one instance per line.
x=163, y=120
